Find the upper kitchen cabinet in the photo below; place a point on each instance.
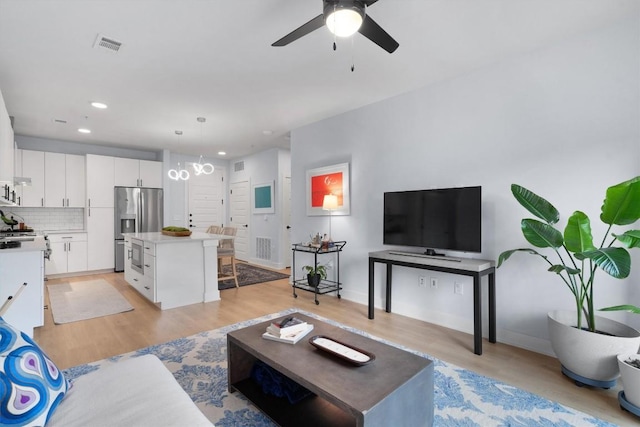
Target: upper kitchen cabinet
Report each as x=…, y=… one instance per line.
x=100, y=181
x=64, y=180
x=33, y=167
x=150, y=174
x=138, y=173
x=6, y=150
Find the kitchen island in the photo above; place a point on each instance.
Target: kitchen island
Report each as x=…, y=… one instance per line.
x=173, y=271
x=24, y=264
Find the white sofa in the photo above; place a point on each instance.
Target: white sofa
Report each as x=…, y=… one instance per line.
x=135, y=392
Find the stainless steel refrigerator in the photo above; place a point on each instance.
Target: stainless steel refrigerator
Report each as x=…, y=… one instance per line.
x=137, y=209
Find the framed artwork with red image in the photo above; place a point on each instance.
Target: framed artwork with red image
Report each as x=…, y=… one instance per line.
x=324, y=181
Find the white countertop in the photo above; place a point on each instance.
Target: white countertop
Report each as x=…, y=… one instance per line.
x=160, y=238
x=60, y=231
x=37, y=244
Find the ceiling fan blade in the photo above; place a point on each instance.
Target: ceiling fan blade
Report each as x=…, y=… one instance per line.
x=374, y=32
x=301, y=31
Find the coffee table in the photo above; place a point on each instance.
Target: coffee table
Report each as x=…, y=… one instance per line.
x=394, y=389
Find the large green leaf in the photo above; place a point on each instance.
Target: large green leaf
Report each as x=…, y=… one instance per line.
x=614, y=261
x=535, y=204
x=630, y=238
x=625, y=307
x=577, y=234
x=622, y=204
x=558, y=268
x=540, y=234
x=507, y=254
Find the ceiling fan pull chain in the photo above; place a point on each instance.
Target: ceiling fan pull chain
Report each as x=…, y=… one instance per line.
x=353, y=54
x=334, y=24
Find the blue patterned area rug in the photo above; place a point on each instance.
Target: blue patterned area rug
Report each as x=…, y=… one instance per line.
x=462, y=397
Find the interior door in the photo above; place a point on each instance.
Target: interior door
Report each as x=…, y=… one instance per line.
x=239, y=217
x=205, y=200
x=286, y=221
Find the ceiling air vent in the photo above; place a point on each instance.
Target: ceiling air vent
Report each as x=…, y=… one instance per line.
x=239, y=166
x=107, y=43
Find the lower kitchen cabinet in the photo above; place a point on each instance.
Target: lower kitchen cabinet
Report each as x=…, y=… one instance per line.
x=18, y=267
x=68, y=253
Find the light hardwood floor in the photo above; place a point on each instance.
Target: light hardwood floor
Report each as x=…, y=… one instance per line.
x=87, y=341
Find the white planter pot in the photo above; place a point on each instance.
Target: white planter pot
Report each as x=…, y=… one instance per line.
x=591, y=355
x=630, y=377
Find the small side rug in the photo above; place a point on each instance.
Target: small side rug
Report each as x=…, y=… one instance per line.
x=249, y=274
x=461, y=397
x=73, y=301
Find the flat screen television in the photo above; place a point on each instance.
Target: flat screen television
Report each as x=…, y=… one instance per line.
x=447, y=219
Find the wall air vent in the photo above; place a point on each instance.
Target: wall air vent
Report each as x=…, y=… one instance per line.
x=263, y=248
x=107, y=43
x=238, y=166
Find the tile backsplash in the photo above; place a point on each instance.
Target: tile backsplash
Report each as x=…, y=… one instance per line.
x=49, y=219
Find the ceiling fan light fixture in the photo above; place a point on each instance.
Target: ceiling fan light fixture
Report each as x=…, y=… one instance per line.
x=344, y=21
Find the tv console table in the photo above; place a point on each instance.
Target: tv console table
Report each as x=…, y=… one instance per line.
x=475, y=268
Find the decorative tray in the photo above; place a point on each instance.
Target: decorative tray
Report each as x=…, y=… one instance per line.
x=176, y=233
x=351, y=354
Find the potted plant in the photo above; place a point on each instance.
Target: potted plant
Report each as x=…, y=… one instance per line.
x=629, y=365
x=315, y=274
x=575, y=336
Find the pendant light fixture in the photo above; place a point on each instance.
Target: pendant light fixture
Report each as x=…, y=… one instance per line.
x=178, y=174
x=202, y=168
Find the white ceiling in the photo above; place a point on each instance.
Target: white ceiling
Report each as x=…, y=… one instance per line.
x=182, y=59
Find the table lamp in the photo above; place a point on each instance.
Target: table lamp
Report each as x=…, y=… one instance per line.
x=330, y=203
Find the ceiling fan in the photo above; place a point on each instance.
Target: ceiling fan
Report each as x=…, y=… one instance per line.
x=344, y=18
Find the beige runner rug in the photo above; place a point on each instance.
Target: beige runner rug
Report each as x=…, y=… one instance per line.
x=74, y=301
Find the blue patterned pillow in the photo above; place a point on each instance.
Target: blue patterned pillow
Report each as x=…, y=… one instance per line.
x=31, y=386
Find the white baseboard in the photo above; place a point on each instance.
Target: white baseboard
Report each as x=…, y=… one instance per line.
x=505, y=336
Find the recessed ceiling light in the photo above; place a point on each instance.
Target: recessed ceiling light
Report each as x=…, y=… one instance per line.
x=99, y=105
x=222, y=153
x=267, y=132
x=84, y=130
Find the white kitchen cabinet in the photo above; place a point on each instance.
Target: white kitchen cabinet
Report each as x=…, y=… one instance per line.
x=150, y=174
x=76, y=180
x=17, y=172
x=6, y=147
x=33, y=167
x=68, y=253
x=127, y=172
x=138, y=173
x=64, y=184
x=100, y=182
x=20, y=266
x=55, y=194
x=100, y=238
x=177, y=271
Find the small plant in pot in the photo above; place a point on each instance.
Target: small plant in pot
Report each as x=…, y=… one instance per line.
x=576, y=262
x=629, y=365
x=315, y=274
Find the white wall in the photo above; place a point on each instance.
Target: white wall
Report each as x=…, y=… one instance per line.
x=269, y=166
x=562, y=121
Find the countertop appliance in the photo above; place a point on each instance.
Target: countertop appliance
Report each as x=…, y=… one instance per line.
x=137, y=210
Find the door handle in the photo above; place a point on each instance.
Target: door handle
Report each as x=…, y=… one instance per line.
x=246, y=226
x=288, y=227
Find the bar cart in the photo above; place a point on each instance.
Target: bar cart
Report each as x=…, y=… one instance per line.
x=325, y=286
